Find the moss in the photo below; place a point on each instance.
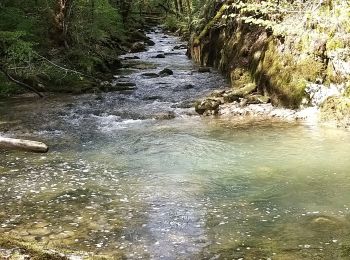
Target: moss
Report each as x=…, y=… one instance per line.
x=335, y=43
x=347, y=89
x=284, y=77
x=332, y=76
x=240, y=77
x=212, y=22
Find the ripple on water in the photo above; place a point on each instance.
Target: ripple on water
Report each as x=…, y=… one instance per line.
x=117, y=181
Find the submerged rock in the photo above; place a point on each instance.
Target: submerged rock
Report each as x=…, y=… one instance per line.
x=150, y=75
x=184, y=87
x=39, y=231
x=165, y=116
x=132, y=58
x=166, y=72
x=117, y=86
x=159, y=56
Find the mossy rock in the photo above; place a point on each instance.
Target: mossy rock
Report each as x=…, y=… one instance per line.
x=284, y=76
x=239, y=77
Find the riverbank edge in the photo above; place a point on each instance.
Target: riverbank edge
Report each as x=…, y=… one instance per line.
x=290, y=70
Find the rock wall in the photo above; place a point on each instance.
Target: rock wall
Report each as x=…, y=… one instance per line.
x=281, y=62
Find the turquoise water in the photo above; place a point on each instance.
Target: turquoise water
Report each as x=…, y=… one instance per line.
x=186, y=188
x=119, y=182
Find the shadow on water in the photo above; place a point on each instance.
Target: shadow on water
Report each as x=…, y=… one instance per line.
x=120, y=180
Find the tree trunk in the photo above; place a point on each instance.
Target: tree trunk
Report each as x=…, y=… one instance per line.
x=24, y=145
x=176, y=6
x=181, y=7
x=62, y=13
x=189, y=8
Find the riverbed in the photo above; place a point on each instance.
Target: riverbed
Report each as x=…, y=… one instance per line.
x=137, y=174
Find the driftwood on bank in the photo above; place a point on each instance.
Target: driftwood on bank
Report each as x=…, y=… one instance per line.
x=24, y=145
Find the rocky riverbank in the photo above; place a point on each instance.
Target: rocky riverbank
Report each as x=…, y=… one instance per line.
x=272, y=62
x=327, y=105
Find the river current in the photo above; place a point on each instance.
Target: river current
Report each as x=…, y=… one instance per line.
x=138, y=175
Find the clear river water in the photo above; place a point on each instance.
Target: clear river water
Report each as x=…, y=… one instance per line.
x=137, y=175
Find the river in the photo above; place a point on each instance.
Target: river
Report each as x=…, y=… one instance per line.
x=137, y=174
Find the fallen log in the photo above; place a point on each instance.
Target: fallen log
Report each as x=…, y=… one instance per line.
x=24, y=145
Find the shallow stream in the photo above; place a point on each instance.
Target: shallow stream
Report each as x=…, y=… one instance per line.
x=138, y=174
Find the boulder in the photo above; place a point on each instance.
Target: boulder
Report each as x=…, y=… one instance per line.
x=159, y=56
x=203, y=70
x=150, y=42
x=231, y=97
x=246, y=90
x=257, y=99
x=138, y=47
x=166, y=72
x=208, y=106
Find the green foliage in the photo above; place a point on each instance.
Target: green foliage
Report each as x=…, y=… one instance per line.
x=86, y=39
x=14, y=48
x=171, y=23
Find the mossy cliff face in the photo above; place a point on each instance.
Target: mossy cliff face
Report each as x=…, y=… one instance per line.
x=279, y=56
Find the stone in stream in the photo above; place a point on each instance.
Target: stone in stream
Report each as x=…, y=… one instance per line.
x=184, y=87
x=117, y=86
x=165, y=116
x=150, y=42
x=152, y=98
x=179, y=47
x=159, y=56
x=132, y=58
x=172, y=53
x=208, y=106
x=203, y=70
x=184, y=104
x=150, y=75
x=166, y=72
x=138, y=47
